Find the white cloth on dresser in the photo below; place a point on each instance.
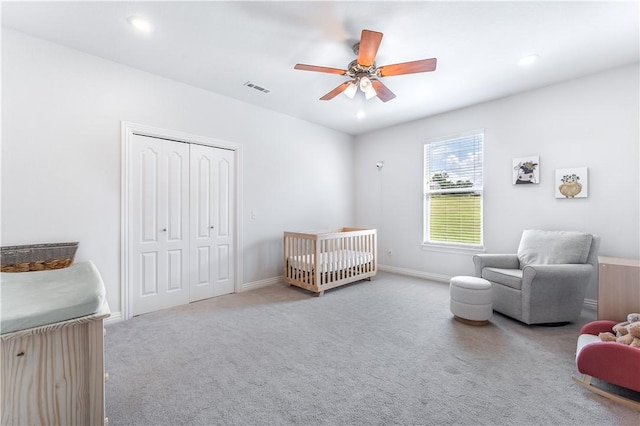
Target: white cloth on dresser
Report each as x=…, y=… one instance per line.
x=32, y=299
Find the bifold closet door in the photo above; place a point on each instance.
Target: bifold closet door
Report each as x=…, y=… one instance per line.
x=212, y=225
x=160, y=224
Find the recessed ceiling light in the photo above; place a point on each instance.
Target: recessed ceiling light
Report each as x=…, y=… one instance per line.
x=139, y=24
x=528, y=60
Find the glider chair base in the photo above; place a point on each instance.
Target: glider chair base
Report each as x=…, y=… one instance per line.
x=585, y=382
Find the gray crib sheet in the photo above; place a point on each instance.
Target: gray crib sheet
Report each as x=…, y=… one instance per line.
x=32, y=299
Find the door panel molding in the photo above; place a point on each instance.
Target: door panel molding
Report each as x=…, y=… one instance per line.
x=128, y=130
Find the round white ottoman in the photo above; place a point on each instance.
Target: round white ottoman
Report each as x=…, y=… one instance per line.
x=471, y=300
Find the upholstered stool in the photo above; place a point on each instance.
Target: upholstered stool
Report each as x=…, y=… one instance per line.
x=471, y=300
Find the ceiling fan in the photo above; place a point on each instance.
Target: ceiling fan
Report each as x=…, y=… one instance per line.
x=364, y=72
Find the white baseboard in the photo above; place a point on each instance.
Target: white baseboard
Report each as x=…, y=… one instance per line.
x=261, y=283
x=113, y=318
x=413, y=273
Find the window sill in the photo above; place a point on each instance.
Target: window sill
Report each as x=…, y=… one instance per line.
x=452, y=248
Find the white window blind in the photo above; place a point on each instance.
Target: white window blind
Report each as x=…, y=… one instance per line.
x=453, y=190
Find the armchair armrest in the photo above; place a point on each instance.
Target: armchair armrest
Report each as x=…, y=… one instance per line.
x=503, y=261
x=554, y=291
x=554, y=274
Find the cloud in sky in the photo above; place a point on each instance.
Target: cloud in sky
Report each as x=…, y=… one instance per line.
x=461, y=159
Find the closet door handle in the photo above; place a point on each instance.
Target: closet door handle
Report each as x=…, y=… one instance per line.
x=164, y=229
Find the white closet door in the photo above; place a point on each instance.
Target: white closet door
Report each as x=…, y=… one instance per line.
x=212, y=224
x=160, y=224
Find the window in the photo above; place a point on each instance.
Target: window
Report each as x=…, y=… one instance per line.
x=453, y=191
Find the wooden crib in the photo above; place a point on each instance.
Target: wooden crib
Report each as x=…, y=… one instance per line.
x=321, y=261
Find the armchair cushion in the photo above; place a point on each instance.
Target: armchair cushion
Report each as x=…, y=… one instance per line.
x=553, y=247
x=503, y=261
x=509, y=277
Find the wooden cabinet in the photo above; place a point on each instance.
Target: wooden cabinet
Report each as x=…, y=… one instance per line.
x=54, y=374
x=618, y=288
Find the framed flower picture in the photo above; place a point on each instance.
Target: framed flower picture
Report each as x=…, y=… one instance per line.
x=526, y=170
x=572, y=183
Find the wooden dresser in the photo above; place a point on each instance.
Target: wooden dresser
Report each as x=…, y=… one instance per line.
x=54, y=374
x=618, y=288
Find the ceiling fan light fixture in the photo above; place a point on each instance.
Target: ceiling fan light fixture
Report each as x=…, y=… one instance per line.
x=364, y=73
x=365, y=84
x=370, y=93
x=350, y=91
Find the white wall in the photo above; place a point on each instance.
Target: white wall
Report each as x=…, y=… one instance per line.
x=592, y=122
x=61, y=116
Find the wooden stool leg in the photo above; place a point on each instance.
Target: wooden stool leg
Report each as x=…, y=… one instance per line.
x=470, y=322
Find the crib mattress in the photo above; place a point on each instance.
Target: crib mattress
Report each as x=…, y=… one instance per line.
x=331, y=261
x=33, y=299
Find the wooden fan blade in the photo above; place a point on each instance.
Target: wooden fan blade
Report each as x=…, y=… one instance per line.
x=382, y=91
x=316, y=68
x=335, y=92
x=369, y=43
x=423, y=65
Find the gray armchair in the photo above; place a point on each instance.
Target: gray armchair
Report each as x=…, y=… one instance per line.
x=546, y=281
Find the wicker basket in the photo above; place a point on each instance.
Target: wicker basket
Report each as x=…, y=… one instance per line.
x=37, y=257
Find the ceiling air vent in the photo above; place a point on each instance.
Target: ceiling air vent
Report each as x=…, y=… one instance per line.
x=255, y=86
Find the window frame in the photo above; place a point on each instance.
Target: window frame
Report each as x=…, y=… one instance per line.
x=477, y=187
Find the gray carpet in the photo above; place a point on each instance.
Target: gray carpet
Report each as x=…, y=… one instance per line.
x=381, y=352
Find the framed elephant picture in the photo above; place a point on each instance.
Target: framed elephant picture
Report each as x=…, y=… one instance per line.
x=572, y=183
x=526, y=170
